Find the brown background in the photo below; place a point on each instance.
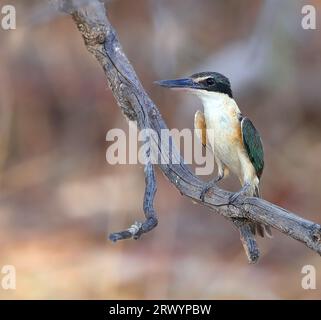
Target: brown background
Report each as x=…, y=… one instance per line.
x=59, y=199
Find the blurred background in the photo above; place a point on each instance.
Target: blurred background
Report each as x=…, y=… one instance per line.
x=59, y=198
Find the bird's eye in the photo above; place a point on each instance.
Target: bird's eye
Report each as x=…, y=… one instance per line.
x=210, y=81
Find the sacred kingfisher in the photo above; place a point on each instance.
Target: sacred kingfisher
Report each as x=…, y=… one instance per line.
x=235, y=142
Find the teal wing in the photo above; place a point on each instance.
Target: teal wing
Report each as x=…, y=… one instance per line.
x=253, y=145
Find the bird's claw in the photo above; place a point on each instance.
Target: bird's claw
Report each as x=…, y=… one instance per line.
x=205, y=190
x=210, y=185
x=234, y=198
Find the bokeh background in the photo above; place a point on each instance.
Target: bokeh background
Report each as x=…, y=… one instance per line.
x=59, y=198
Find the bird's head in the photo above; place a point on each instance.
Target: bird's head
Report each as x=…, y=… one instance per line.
x=203, y=83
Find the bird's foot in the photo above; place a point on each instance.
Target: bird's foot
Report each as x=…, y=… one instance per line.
x=208, y=186
x=234, y=198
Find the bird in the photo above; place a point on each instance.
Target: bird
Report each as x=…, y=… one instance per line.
x=235, y=142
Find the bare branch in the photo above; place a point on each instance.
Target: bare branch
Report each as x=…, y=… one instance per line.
x=248, y=240
x=101, y=40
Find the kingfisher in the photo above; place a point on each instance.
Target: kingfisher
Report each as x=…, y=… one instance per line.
x=235, y=142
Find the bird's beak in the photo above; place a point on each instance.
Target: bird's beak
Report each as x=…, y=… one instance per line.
x=185, y=83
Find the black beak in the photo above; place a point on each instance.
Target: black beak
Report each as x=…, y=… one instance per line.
x=186, y=83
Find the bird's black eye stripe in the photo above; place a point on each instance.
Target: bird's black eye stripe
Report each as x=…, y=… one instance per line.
x=210, y=81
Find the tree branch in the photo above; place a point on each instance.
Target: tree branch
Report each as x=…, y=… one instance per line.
x=101, y=40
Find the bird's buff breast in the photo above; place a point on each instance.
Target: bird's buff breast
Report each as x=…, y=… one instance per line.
x=224, y=135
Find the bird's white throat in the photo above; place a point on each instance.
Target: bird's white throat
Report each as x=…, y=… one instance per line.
x=216, y=102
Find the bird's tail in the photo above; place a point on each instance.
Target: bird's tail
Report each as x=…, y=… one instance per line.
x=258, y=228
